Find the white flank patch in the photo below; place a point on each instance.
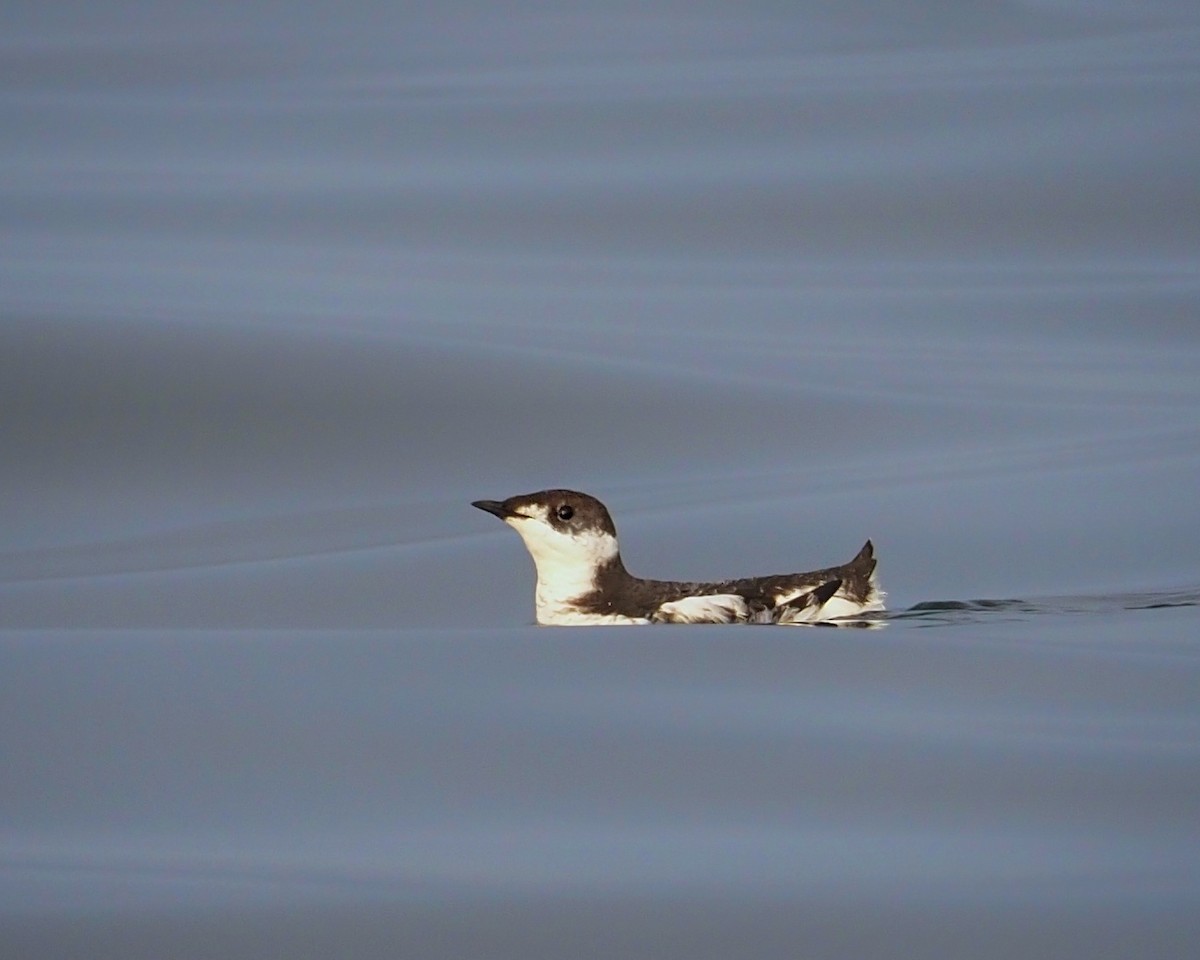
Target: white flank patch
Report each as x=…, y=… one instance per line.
x=717, y=608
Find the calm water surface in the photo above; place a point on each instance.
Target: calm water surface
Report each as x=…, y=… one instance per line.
x=281, y=294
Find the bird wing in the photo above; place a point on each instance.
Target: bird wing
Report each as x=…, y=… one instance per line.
x=806, y=604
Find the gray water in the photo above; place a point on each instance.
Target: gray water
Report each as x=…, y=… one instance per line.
x=284, y=287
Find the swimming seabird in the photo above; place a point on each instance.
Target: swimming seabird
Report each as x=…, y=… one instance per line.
x=581, y=578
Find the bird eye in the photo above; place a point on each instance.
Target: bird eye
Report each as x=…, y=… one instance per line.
x=565, y=512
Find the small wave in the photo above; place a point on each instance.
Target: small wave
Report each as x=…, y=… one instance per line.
x=938, y=612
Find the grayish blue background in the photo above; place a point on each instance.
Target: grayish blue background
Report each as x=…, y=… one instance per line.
x=284, y=286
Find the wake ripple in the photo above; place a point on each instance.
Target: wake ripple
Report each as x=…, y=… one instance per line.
x=937, y=612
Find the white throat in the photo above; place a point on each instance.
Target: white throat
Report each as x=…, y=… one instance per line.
x=566, y=562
